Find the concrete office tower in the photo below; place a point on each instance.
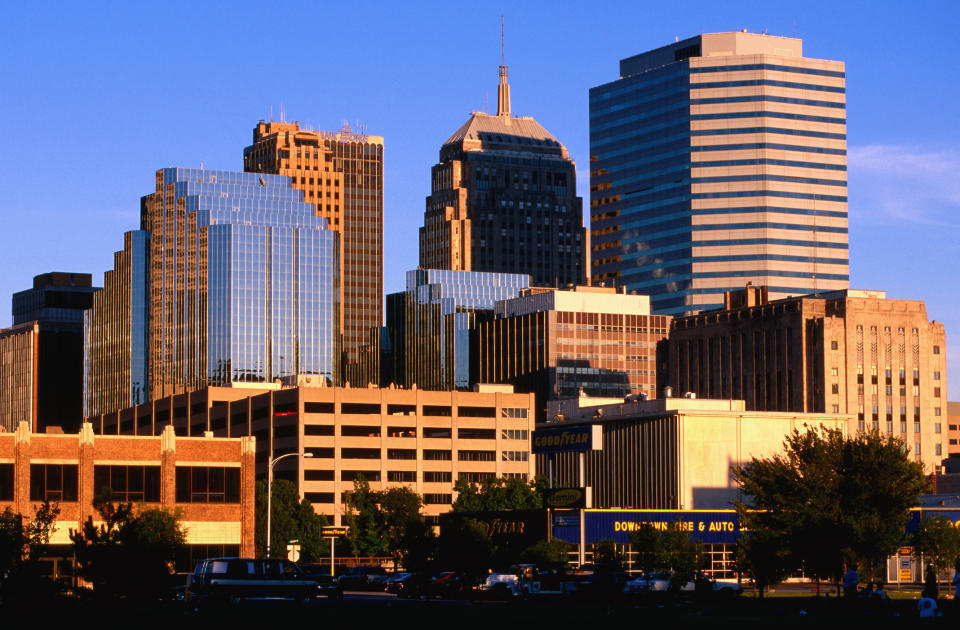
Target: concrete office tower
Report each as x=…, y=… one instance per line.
x=41, y=355
x=558, y=344
x=503, y=199
x=717, y=161
x=231, y=280
x=848, y=352
x=431, y=323
x=342, y=174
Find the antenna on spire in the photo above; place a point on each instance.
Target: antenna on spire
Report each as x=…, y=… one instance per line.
x=503, y=90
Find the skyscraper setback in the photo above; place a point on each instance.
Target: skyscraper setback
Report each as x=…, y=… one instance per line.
x=342, y=174
x=718, y=161
x=504, y=199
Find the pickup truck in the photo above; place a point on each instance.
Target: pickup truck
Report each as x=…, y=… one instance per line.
x=525, y=580
x=231, y=580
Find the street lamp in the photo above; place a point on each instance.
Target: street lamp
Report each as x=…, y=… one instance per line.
x=270, y=489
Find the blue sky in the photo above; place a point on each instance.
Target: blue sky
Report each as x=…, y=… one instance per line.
x=96, y=97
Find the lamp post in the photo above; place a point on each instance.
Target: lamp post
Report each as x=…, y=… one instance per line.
x=270, y=488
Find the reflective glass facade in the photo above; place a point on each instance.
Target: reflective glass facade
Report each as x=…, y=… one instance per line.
x=430, y=323
x=233, y=278
x=717, y=161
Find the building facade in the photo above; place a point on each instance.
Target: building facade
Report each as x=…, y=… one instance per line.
x=209, y=480
x=430, y=324
x=953, y=428
x=232, y=278
x=342, y=174
x=503, y=199
x=421, y=440
x=849, y=352
x=41, y=355
x=716, y=161
x=559, y=344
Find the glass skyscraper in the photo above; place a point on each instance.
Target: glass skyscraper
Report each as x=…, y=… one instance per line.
x=719, y=161
x=431, y=322
x=232, y=279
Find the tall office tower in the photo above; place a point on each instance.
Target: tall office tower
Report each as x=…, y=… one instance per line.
x=591, y=341
x=504, y=199
x=848, y=351
x=431, y=323
x=41, y=355
x=718, y=161
x=231, y=280
x=342, y=174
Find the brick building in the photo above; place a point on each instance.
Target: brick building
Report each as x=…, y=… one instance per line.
x=423, y=440
x=849, y=352
x=209, y=480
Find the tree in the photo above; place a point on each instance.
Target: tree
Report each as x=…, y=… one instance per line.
x=131, y=553
x=938, y=540
x=647, y=544
x=496, y=494
x=605, y=552
x=832, y=500
x=400, y=513
x=764, y=556
x=465, y=544
x=291, y=518
x=546, y=554
x=21, y=545
x=364, y=519
x=682, y=554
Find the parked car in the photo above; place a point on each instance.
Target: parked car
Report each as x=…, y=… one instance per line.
x=232, y=580
x=390, y=584
x=363, y=578
x=411, y=586
x=444, y=585
x=327, y=584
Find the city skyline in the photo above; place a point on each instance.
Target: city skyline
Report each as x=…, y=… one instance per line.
x=80, y=102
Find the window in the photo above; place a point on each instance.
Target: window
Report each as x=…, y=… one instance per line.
x=936, y=349
x=437, y=499
x=430, y=454
x=834, y=345
x=401, y=432
x=53, y=482
x=916, y=427
x=936, y=411
x=515, y=456
x=319, y=452
x=350, y=475
x=903, y=427
x=916, y=448
x=515, y=434
x=128, y=483
x=936, y=375
x=437, y=410
x=401, y=410
x=208, y=484
x=318, y=407
x=937, y=427
x=318, y=429
x=835, y=388
x=318, y=497
x=434, y=476
x=401, y=453
x=359, y=431
x=477, y=434
x=477, y=456
x=936, y=392
x=402, y=476
x=937, y=449
x=318, y=475
x=360, y=453
x=477, y=412
x=436, y=432
x=513, y=412
x=6, y=482
x=836, y=409
x=359, y=408
x=834, y=372
x=475, y=477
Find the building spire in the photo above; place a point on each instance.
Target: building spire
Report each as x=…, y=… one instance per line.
x=503, y=91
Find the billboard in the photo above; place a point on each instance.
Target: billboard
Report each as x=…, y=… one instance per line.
x=575, y=439
x=708, y=526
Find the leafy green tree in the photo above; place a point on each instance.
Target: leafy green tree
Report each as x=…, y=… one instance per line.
x=496, y=494
x=400, y=510
x=366, y=535
x=546, y=554
x=647, y=545
x=418, y=547
x=938, y=540
x=833, y=500
x=21, y=544
x=682, y=554
x=291, y=519
x=148, y=539
x=765, y=557
x=605, y=552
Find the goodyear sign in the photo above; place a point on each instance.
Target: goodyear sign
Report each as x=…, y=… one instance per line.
x=331, y=531
x=568, y=439
x=560, y=498
x=708, y=526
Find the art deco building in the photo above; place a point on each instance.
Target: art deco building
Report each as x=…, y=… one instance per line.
x=503, y=199
x=342, y=174
x=430, y=324
x=425, y=441
x=716, y=161
x=232, y=279
x=41, y=355
x=591, y=341
x=849, y=352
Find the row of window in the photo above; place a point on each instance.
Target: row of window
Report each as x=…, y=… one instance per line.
x=60, y=482
x=401, y=432
x=400, y=476
x=463, y=411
